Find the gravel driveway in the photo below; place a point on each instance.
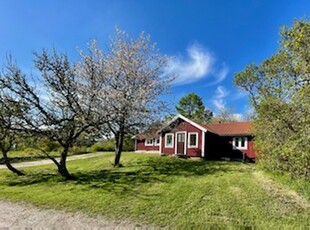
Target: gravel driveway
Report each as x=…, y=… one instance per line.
x=21, y=216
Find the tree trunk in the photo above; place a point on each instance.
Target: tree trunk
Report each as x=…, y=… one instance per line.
x=119, y=139
x=9, y=166
x=62, y=166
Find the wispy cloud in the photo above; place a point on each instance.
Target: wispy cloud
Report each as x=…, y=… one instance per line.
x=218, y=100
x=239, y=95
x=199, y=64
x=219, y=75
x=238, y=116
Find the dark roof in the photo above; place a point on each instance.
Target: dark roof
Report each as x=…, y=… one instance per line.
x=230, y=128
x=143, y=136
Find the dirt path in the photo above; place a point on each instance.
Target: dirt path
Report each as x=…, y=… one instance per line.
x=284, y=194
x=48, y=161
x=20, y=216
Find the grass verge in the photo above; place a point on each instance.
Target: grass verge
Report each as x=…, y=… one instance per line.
x=162, y=191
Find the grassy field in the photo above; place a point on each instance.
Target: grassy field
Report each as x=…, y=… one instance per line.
x=165, y=191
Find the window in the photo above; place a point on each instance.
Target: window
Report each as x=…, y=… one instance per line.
x=149, y=142
x=157, y=141
x=192, y=140
x=169, y=140
x=240, y=143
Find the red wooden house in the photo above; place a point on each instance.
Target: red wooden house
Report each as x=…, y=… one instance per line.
x=182, y=136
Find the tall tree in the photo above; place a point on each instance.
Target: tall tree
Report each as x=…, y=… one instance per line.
x=60, y=109
x=191, y=106
x=279, y=90
x=130, y=80
x=225, y=115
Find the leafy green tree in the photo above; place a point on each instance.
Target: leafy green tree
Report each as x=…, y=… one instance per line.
x=279, y=90
x=191, y=106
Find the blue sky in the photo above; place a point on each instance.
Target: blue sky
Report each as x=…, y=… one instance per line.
x=209, y=40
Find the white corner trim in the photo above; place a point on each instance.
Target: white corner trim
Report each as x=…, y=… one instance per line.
x=135, y=145
x=160, y=147
x=172, y=141
x=203, y=144
x=189, y=140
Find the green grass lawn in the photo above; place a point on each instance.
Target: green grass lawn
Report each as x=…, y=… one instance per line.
x=163, y=191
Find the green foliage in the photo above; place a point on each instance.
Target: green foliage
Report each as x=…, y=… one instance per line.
x=164, y=192
x=192, y=107
x=129, y=144
x=105, y=145
x=78, y=150
x=48, y=145
x=279, y=90
x=29, y=154
x=109, y=145
x=86, y=139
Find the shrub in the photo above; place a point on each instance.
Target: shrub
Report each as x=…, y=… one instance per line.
x=78, y=150
x=106, y=145
x=109, y=145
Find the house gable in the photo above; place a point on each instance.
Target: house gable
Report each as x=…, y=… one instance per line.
x=180, y=128
x=178, y=117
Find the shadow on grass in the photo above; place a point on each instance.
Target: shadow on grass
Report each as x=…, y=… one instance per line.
x=137, y=172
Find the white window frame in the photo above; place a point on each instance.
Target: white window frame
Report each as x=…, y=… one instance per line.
x=236, y=143
x=172, y=140
x=189, y=140
x=155, y=141
x=148, y=144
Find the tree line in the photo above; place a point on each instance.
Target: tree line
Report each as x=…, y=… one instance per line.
x=279, y=90
x=109, y=92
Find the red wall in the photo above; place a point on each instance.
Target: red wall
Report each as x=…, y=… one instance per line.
x=140, y=146
x=250, y=152
x=218, y=147
x=183, y=126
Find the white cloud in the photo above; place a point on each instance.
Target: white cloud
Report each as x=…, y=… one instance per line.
x=238, y=116
x=218, y=100
x=239, y=95
x=199, y=64
x=219, y=75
